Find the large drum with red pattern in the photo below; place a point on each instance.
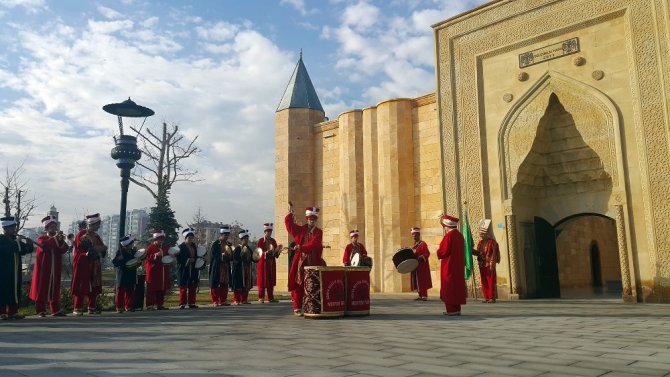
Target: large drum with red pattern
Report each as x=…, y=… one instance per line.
x=324, y=292
x=357, y=284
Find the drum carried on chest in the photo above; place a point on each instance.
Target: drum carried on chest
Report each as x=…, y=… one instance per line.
x=199, y=263
x=141, y=254
x=360, y=260
x=405, y=261
x=168, y=259
x=134, y=263
x=324, y=292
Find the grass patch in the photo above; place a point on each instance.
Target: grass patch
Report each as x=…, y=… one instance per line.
x=106, y=303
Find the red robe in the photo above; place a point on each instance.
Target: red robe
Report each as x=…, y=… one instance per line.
x=488, y=255
x=452, y=254
x=158, y=274
x=311, y=250
x=421, y=279
x=86, y=267
x=266, y=275
x=346, y=258
x=47, y=272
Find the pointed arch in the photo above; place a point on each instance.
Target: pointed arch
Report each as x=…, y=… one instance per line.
x=595, y=117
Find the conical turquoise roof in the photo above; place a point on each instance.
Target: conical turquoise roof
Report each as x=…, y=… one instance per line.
x=300, y=92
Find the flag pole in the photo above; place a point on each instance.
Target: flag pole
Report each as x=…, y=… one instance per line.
x=472, y=273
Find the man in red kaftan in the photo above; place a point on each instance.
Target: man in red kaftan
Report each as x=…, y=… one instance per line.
x=159, y=280
x=308, y=252
x=421, y=281
x=266, y=277
x=488, y=255
x=452, y=254
x=353, y=248
x=87, y=266
x=45, y=285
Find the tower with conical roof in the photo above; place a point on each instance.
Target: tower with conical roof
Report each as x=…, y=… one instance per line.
x=298, y=111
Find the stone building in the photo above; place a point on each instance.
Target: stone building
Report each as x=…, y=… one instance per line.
x=551, y=117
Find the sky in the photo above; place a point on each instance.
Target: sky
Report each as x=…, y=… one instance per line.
x=217, y=69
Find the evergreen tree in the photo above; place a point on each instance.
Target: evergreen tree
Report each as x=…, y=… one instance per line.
x=162, y=217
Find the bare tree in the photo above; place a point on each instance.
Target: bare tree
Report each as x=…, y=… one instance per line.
x=163, y=154
x=198, y=224
x=16, y=195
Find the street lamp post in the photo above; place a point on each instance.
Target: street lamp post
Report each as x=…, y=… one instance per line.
x=126, y=152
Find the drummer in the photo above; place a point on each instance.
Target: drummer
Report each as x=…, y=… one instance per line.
x=219, y=267
x=353, y=248
x=267, y=266
x=187, y=275
x=240, y=270
x=126, y=276
x=158, y=274
x=421, y=280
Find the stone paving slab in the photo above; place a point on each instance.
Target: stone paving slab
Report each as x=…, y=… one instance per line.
x=400, y=338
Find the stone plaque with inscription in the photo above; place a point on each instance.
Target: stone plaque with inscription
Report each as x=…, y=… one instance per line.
x=554, y=51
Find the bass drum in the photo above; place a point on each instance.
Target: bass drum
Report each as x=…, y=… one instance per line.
x=405, y=261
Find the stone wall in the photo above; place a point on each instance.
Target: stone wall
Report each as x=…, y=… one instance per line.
x=573, y=251
x=376, y=170
x=491, y=99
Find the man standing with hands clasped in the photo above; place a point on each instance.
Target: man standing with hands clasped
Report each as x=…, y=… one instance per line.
x=452, y=255
x=488, y=255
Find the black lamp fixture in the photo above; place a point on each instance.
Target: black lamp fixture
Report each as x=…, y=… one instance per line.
x=126, y=152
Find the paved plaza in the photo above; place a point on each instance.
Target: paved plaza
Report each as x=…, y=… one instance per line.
x=401, y=338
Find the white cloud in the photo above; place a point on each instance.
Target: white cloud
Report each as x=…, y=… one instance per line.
x=67, y=75
x=28, y=4
x=299, y=5
x=221, y=31
x=394, y=47
x=109, y=13
x=360, y=16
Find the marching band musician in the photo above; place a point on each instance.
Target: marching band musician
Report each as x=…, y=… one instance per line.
x=488, y=255
x=421, y=281
x=158, y=274
x=187, y=275
x=240, y=271
x=308, y=252
x=452, y=254
x=219, y=267
x=86, y=266
x=126, y=277
x=353, y=248
x=11, y=250
x=45, y=285
x=266, y=278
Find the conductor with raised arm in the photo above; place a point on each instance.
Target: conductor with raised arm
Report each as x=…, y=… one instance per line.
x=308, y=252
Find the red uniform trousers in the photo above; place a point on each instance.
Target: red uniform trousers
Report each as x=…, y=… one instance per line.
x=219, y=295
x=41, y=303
x=240, y=295
x=155, y=298
x=79, y=301
x=489, y=280
x=187, y=294
x=270, y=290
x=125, y=298
x=297, y=295
x=9, y=309
x=452, y=308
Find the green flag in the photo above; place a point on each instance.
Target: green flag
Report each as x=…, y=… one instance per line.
x=469, y=244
